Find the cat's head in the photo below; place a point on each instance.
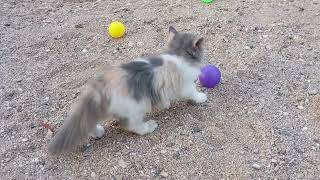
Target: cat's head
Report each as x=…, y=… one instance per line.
x=186, y=45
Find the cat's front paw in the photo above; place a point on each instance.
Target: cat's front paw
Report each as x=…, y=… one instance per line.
x=98, y=132
x=200, y=98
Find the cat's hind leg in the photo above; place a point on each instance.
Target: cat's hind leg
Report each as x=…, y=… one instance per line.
x=131, y=112
x=138, y=126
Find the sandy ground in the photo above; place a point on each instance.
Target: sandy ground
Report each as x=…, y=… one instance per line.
x=263, y=121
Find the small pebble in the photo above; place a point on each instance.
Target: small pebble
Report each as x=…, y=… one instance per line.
x=312, y=89
x=79, y=26
x=35, y=160
x=130, y=43
x=84, y=50
x=176, y=155
x=84, y=173
x=46, y=99
x=309, y=48
x=300, y=107
x=85, y=147
x=164, y=174
x=75, y=95
x=93, y=174
x=292, y=161
x=256, y=166
x=24, y=139
x=140, y=44
x=49, y=134
x=9, y=95
x=163, y=151
x=269, y=47
x=19, y=80
x=195, y=129
x=122, y=163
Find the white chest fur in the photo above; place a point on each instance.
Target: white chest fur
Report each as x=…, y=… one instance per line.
x=189, y=73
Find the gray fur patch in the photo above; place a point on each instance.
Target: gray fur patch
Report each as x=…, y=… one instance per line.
x=155, y=61
x=141, y=79
x=186, y=45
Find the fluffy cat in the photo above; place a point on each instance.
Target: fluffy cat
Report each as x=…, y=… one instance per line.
x=131, y=90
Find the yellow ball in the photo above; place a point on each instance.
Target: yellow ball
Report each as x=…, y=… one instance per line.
x=117, y=29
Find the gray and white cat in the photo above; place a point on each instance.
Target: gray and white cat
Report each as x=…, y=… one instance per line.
x=131, y=90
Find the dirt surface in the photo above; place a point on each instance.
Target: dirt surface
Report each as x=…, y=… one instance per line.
x=263, y=121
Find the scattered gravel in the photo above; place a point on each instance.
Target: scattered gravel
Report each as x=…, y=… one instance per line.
x=268, y=54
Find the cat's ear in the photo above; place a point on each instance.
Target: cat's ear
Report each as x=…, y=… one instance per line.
x=172, y=30
x=198, y=43
x=172, y=33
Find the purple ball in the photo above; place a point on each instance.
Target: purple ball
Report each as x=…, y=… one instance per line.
x=210, y=76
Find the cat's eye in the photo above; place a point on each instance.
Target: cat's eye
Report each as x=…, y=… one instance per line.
x=192, y=54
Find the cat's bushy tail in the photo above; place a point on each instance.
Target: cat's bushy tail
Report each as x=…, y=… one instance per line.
x=81, y=121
